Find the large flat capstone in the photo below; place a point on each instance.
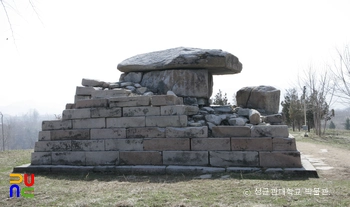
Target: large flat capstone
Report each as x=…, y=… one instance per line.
x=217, y=62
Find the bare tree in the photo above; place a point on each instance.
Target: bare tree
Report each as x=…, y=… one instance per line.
x=341, y=71
x=320, y=90
x=6, y=5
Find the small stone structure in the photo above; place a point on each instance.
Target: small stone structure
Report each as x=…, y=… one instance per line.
x=152, y=117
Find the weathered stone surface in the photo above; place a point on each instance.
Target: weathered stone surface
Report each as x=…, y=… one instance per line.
x=218, y=62
x=166, y=121
x=254, y=117
x=193, y=169
x=178, y=110
x=270, y=131
x=222, y=109
x=162, y=144
x=80, y=97
x=181, y=82
x=273, y=119
x=130, y=101
x=141, y=111
x=203, y=101
x=141, y=158
x=115, y=133
x=165, y=100
x=105, y=94
x=114, y=85
x=187, y=132
x=44, y=136
x=88, y=145
x=89, y=123
x=131, y=88
x=134, y=77
x=125, y=84
x=106, y=112
x=252, y=144
x=265, y=99
x=231, y=131
x=70, y=134
x=56, y=124
x=84, y=91
x=126, y=122
x=234, y=158
x=137, y=85
x=92, y=103
x=68, y=158
x=47, y=146
x=185, y=157
x=210, y=125
x=243, y=112
x=192, y=101
x=280, y=159
x=76, y=114
x=215, y=119
x=145, y=132
x=124, y=144
x=208, y=109
x=70, y=106
x=284, y=144
x=210, y=144
x=140, y=169
x=102, y=158
x=91, y=83
x=239, y=121
x=141, y=90
x=41, y=158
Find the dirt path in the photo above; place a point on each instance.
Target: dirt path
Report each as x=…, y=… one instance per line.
x=330, y=162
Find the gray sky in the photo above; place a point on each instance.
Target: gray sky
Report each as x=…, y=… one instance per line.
x=274, y=40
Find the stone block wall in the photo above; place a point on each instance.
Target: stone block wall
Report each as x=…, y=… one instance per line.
x=114, y=128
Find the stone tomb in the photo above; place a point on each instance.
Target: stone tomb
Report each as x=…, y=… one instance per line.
x=153, y=130
x=134, y=123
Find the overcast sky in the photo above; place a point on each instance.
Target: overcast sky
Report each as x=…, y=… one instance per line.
x=71, y=40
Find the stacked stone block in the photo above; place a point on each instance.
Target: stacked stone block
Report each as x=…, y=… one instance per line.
x=107, y=129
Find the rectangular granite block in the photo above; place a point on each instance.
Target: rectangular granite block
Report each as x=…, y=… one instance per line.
x=210, y=144
x=102, y=158
x=234, y=158
x=68, y=158
x=140, y=158
x=145, y=132
x=189, y=132
x=125, y=122
x=251, y=144
x=141, y=111
x=166, y=121
x=116, y=133
x=69, y=134
x=162, y=144
x=231, y=131
x=185, y=158
x=124, y=144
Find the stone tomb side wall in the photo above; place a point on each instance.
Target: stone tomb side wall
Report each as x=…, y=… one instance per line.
x=152, y=130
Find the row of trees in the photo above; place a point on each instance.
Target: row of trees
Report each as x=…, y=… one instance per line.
x=21, y=132
x=316, y=91
x=346, y=124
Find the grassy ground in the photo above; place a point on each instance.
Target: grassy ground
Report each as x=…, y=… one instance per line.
x=102, y=189
x=333, y=137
